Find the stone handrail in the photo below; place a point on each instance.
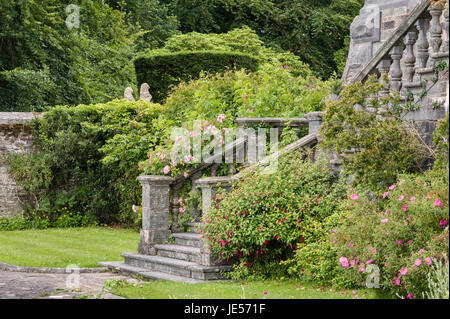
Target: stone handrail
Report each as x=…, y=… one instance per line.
x=405, y=55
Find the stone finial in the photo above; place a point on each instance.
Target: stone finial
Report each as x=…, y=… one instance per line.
x=128, y=94
x=144, y=93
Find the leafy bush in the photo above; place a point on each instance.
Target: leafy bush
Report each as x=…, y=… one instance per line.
x=265, y=217
x=438, y=280
x=38, y=219
x=441, y=141
x=78, y=149
x=399, y=231
x=24, y=90
x=383, y=146
x=270, y=92
x=163, y=70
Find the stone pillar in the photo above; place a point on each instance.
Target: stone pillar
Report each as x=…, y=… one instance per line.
x=155, y=212
x=210, y=187
x=315, y=121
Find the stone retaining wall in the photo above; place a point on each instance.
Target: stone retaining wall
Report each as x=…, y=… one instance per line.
x=15, y=137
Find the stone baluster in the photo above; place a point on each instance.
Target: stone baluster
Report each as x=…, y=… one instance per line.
x=446, y=25
x=410, y=58
x=176, y=207
x=395, y=73
x=435, y=33
x=155, y=212
x=383, y=68
x=422, y=42
x=214, y=169
x=194, y=178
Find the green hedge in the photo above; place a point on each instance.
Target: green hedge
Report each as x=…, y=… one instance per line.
x=163, y=70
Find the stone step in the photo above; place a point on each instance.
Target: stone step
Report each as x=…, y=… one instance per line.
x=187, y=253
x=193, y=227
x=187, y=239
x=125, y=269
x=176, y=267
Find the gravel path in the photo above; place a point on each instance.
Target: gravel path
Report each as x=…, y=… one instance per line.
x=21, y=285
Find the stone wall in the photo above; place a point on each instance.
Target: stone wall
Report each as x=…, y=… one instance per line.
x=15, y=136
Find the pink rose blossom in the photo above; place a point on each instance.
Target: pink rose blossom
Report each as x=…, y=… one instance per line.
x=428, y=261
x=418, y=262
x=413, y=200
x=391, y=187
x=385, y=194
x=397, y=281
x=354, y=196
x=385, y=221
x=166, y=169
x=401, y=198
x=404, y=271
x=221, y=117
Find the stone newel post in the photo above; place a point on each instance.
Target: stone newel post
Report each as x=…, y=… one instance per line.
x=210, y=187
x=155, y=212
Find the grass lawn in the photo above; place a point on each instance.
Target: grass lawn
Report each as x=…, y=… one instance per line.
x=233, y=290
x=60, y=247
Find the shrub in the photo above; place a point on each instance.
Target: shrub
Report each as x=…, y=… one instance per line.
x=39, y=219
x=243, y=40
x=265, y=217
x=384, y=146
x=438, y=280
x=24, y=90
x=78, y=149
x=399, y=231
x=441, y=141
x=163, y=70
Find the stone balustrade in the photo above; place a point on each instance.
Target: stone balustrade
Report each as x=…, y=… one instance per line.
x=160, y=194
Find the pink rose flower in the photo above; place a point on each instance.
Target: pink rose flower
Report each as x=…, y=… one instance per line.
x=354, y=196
x=418, y=262
x=404, y=271
x=385, y=194
x=385, y=221
x=428, y=261
x=404, y=208
x=166, y=169
x=401, y=198
x=391, y=187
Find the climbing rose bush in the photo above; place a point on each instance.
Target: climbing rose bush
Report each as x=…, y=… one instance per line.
x=402, y=231
x=267, y=216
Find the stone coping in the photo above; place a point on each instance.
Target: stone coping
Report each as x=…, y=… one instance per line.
x=16, y=118
x=275, y=121
x=49, y=270
x=207, y=181
x=155, y=179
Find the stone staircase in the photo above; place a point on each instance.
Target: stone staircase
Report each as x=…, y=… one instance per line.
x=172, y=262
